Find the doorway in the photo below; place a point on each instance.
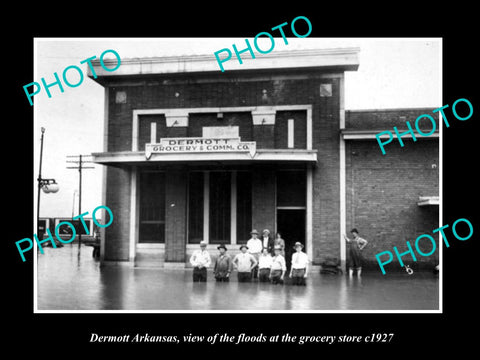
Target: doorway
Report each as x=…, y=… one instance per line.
x=291, y=197
x=291, y=224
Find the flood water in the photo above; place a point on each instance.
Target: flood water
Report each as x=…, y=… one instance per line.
x=68, y=281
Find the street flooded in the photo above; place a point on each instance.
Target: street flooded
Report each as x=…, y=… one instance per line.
x=69, y=279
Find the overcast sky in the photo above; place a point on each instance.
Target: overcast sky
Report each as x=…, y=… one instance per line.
x=393, y=73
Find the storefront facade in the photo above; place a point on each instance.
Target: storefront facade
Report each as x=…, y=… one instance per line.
x=194, y=154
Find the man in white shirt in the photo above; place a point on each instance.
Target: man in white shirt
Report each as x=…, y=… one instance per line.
x=299, y=269
x=255, y=247
x=264, y=265
x=200, y=261
x=279, y=267
x=244, y=263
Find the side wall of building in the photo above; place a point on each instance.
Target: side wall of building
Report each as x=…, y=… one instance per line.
x=382, y=196
x=326, y=175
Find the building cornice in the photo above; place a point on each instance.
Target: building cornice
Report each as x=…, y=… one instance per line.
x=342, y=59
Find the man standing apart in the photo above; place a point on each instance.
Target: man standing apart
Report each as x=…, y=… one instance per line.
x=200, y=261
x=356, y=246
x=255, y=247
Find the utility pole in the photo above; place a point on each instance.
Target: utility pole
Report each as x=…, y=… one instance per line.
x=39, y=180
x=80, y=161
x=47, y=185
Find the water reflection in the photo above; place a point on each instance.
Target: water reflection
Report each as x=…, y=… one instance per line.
x=72, y=280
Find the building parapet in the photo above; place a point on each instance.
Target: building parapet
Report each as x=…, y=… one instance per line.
x=343, y=59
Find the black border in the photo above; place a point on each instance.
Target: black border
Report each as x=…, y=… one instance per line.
x=414, y=333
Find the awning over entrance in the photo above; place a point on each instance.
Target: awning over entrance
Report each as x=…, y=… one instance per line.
x=261, y=155
x=370, y=134
x=428, y=200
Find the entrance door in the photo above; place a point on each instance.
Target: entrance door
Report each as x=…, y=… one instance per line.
x=291, y=208
x=291, y=224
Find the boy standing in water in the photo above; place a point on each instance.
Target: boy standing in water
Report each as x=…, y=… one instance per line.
x=254, y=246
x=279, y=267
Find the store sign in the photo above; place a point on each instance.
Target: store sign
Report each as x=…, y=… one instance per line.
x=200, y=145
x=229, y=132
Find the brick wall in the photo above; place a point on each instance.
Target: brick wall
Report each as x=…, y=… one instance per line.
x=117, y=235
x=299, y=129
x=387, y=118
x=241, y=119
x=263, y=194
x=382, y=195
x=161, y=95
x=326, y=181
x=175, y=215
x=144, y=129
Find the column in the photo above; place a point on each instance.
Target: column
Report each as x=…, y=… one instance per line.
x=175, y=215
x=264, y=200
x=206, y=206
x=233, y=209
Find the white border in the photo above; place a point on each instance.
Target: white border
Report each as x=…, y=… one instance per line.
x=440, y=189
x=240, y=311
x=309, y=146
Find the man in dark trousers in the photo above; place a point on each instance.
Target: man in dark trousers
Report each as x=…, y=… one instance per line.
x=223, y=265
x=267, y=240
x=200, y=261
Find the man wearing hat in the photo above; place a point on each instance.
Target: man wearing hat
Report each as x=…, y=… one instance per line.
x=223, y=265
x=299, y=269
x=244, y=263
x=264, y=266
x=356, y=246
x=200, y=261
x=255, y=247
x=267, y=240
x=279, y=267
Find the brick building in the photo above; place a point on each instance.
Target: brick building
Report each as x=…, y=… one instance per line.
x=194, y=154
x=391, y=198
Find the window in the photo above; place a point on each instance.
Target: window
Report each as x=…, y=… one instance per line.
x=213, y=214
x=244, y=206
x=195, y=207
x=152, y=207
x=219, y=204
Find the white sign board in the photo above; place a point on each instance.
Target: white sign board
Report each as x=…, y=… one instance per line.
x=230, y=132
x=200, y=145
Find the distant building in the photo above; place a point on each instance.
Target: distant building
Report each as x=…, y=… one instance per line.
x=194, y=154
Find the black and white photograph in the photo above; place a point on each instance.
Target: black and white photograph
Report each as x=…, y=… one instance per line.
x=202, y=182
x=244, y=181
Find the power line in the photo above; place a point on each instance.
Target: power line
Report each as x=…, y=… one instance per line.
x=80, y=161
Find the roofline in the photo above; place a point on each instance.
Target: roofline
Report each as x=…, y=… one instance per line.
x=345, y=59
x=392, y=109
x=366, y=134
